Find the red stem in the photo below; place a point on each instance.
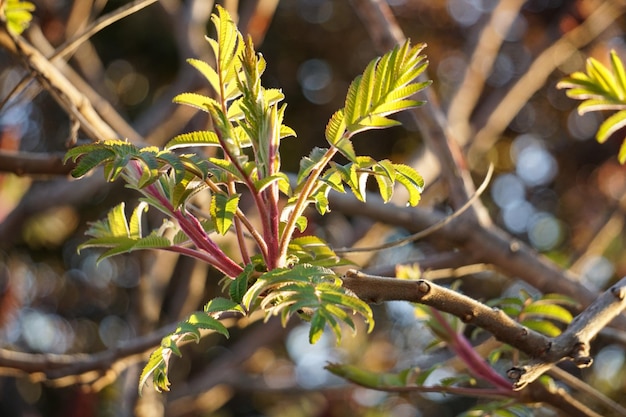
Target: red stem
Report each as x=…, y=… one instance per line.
x=475, y=363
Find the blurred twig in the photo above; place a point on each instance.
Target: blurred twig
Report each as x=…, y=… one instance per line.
x=535, y=77
x=479, y=68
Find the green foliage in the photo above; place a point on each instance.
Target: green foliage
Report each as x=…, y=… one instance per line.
x=284, y=275
x=540, y=313
x=375, y=380
x=308, y=289
x=17, y=15
x=188, y=330
x=601, y=88
x=504, y=408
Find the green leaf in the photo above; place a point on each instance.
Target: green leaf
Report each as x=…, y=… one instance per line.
x=551, y=311
x=18, y=15
x=223, y=209
x=286, y=291
x=315, y=251
x=116, y=219
x=383, y=89
x=239, y=285
x=207, y=71
x=202, y=320
x=619, y=74
x=308, y=163
x=385, y=175
x=196, y=100
x=192, y=139
x=227, y=49
x=411, y=180
x=602, y=76
x=91, y=160
x=221, y=305
x=611, y=125
x=542, y=326
x=280, y=178
x=157, y=368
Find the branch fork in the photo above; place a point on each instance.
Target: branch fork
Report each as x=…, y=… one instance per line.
x=544, y=352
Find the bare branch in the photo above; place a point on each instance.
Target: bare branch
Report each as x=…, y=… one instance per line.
x=535, y=77
x=29, y=163
x=574, y=342
x=377, y=289
x=64, y=370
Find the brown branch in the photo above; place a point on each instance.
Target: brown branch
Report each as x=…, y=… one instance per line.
x=483, y=244
x=480, y=66
x=64, y=370
x=574, y=342
x=29, y=163
x=64, y=92
x=377, y=289
x=535, y=77
x=560, y=399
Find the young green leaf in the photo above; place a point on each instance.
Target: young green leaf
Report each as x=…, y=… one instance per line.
x=223, y=209
x=190, y=139
x=17, y=15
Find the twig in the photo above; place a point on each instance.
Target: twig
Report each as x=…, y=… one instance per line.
x=579, y=385
x=64, y=370
x=28, y=163
x=377, y=289
x=534, y=78
x=64, y=92
x=72, y=44
x=483, y=244
x=560, y=399
x=480, y=65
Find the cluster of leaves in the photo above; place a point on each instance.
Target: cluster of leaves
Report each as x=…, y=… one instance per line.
x=601, y=88
x=283, y=275
x=538, y=313
x=17, y=15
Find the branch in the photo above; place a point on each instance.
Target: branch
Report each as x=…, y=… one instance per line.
x=30, y=163
x=64, y=370
x=64, y=92
x=535, y=77
x=377, y=289
x=483, y=244
x=574, y=342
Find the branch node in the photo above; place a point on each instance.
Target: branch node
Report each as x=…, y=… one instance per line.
x=423, y=286
x=515, y=373
x=580, y=355
x=619, y=292
x=468, y=316
x=514, y=246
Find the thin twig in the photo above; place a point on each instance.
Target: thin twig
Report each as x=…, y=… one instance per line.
x=72, y=44
x=535, y=77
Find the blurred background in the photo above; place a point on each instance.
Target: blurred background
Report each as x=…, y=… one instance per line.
x=494, y=66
